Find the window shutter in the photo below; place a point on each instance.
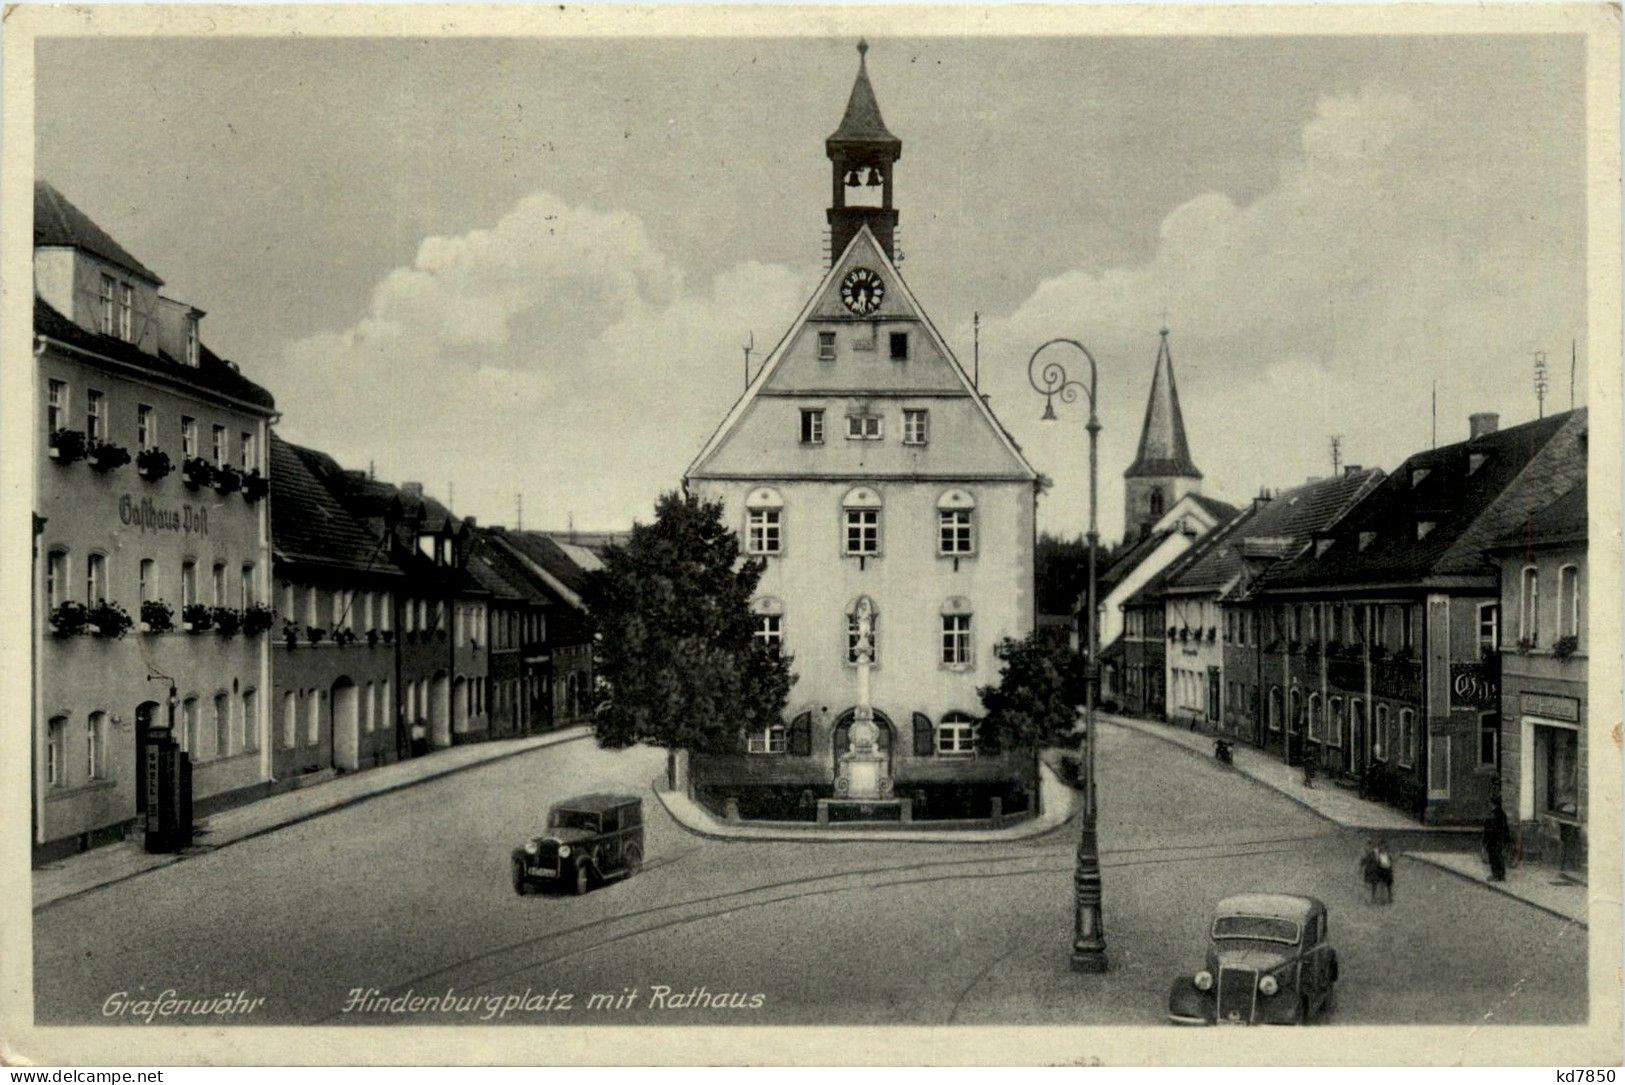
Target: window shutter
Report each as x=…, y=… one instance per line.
x=987, y=739
x=925, y=735
x=801, y=735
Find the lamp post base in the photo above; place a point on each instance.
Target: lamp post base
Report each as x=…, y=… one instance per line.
x=1091, y=960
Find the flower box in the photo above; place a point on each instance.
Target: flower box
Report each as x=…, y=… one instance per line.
x=226, y=621
x=255, y=486
x=152, y=464
x=157, y=616
x=66, y=446
x=196, y=471
x=227, y=479
x=290, y=633
x=69, y=618
x=315, y=634
x=197, y=618
x=341, y=637
x=257, y=618
x=106, y=456
x=108, y=620
x=1564, y=647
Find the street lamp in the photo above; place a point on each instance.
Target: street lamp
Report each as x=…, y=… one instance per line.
x=1088, y=939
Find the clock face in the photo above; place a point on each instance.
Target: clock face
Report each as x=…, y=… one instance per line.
x=862, y=290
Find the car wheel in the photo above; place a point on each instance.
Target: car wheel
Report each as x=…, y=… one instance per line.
x=634, y=860
x=521, y=884
x=583, y=880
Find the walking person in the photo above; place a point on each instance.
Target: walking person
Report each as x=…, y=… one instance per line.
x=1496, y=837
x=1377, y=868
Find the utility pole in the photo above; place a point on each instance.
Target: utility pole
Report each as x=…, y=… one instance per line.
x=519, y=512
x=1574, y=358
x=750, y=346
x=1435, y=443
x=1540, y=384
x=1337, y=454
x=976, y=351
x=451, y=494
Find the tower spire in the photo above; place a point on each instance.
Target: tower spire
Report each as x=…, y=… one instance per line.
x=861, y=152
x=1163, y=470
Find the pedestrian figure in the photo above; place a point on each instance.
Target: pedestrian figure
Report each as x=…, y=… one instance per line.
x=1496, y=836
x=1377, y=868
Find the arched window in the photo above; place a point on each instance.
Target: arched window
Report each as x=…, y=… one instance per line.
x=956, y=735
x=290, y=720
x=147, y=581
x=861, y=517
x=96, y=745
x=764, y=521
x=189, y=725
x=1379, y=736
x=222, y=724
x=313, y=717
x=1406, y=751
x=56, y=577
x=369, y=703
x=55, y=735
x=956, y=523
x=1275, y=708
x=1529, y=609
x=956, y=632
x=1335, y=736
x=1568, y=601
x=251, y=720
x=1155, y=502
x=1314, y=717
x=95, y=579
x=769, y=618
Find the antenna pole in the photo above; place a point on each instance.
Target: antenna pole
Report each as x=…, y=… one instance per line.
x=1540, y=383
x=519, y=512
x=1337, y=454
x=1574, y=357
x=976, y=351
x=1435, y=443
x=750, y=346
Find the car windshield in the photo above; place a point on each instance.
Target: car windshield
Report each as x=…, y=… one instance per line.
x=1256, y=926
x=573, y=819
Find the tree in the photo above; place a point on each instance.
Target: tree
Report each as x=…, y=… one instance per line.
x=1035, y=702
x=675, y=640
x=1061, y=572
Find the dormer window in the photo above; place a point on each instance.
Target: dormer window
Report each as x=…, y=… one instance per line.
x=192, y=344
x=1321, y=546
x=105, y=303
x=1475, y=461
x=1366, y=539
x=1418, y=474
x=1424, y=528
x=126, y=311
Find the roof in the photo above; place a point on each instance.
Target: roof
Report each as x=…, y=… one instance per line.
x=1221, y=510
x=543, y=558
x=310, y=526
x=1561, y=521
x=598, y=802
x=1270, y=906
x=58, y=223
x=212, y=372
x=1472, y=493
x=1129, y=559
x=485, y=573
x=1163, y=449
x=1292, y=516
x=861, y=122
x=502, y=562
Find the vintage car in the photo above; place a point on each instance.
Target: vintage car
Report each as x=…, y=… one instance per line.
x=590, y=838
x=1267, y=963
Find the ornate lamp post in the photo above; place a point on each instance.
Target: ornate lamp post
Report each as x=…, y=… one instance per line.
x=1088, y=938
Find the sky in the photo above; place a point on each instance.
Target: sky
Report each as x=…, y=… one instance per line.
x=530, y=266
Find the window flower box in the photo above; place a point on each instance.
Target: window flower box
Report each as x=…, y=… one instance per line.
x=157, y=616
x=1379, y=652
x=1172, y=632
x=227, y=479
x=257, y=619
x=255, y=486
x=1564, y=647
x=197, y=618
x=342, y=637
x=106, y=456
x=1526, y=645
x=69, y=618
x=290, y=633
x=1405, y=655
x=226, y=621
x=67, y=446
x=152, y=464
x=108, y=620
x=196, y=472
x=388, y=635
x=315, y=634
x=1293, y=647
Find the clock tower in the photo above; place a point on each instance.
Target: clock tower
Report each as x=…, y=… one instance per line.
x=861, y=155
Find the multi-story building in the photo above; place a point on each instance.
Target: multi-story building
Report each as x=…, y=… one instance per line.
x=333, y=655
x=1380, y=639
x=152, y=541
x=1544, y=639
x=555, y=632
x=864, y=468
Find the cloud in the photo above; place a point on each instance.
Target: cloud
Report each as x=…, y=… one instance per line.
x=1326, y=306
x=558, y=353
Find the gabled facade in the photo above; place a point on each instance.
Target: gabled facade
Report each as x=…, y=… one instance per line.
x=861, y=464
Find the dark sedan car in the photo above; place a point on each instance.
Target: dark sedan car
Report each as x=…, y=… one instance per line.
x=1267, y=963
x=590, y=838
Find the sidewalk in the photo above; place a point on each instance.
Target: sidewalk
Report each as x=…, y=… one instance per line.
x=1055, y=803
x=1535, y=885
x=117, y=862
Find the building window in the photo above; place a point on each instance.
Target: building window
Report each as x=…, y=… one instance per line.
x=245, y=584
x=1489, y=740
x=96, y=745
x=386, y=605
x=1568, y=601
x=219, y=446
x=145, y=427
x=192, y=344
x=126, y=309
x=899, y=346
x=247, y=451
x=956, y=640
x=916, y=426
x=863, y=427
x=369, y=708
x=1406, y=751
x=826, y=346
x=56, y=577
x=56, y=406
x=188, y=436
x=1380, y=740
x=1154, y=502
x=147, y=580
x=105, y=303
x=1562, y=771
x=218, y=578
x=222, y=724
x=189, y=725
x=769, y=740
x=1529, y=608
x=290, y=720
x=812, y=426
x=1275, y=708
x=95, y=579
x=313, y=717
x=1335, y=736
x=94, y=402
x=956, y=735
x=1489, y=621
x=188, y=583
x=54, y=732
x=770, y=631
x=954, y=532
x=762, y=530
x=863, y=532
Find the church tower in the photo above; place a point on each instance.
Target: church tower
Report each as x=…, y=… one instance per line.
x=1162, y=471
x=861, y=154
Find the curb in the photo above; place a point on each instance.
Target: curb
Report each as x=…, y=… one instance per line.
x=572, y=734
x=714, y=829
x=1497, y=887
x=1206, y=759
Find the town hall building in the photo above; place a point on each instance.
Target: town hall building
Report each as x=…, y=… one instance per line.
x=896, y=519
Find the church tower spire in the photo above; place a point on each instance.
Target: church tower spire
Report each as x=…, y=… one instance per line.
x=1162, y=471
x=861, y=153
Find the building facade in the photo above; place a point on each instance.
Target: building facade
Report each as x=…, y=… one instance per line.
x=864, y=469
x=152, y=542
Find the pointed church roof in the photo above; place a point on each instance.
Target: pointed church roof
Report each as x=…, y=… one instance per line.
x=862, y=123
x=1163, y=448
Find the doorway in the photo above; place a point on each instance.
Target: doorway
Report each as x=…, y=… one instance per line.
x=346, y=726
x=146, y=718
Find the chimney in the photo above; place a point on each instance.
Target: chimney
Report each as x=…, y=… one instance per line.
x=412, y=489
x=1262, y=499
x=1482, y=424
x=1350, y=470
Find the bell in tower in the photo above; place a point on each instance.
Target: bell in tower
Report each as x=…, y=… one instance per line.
x=861, y=154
